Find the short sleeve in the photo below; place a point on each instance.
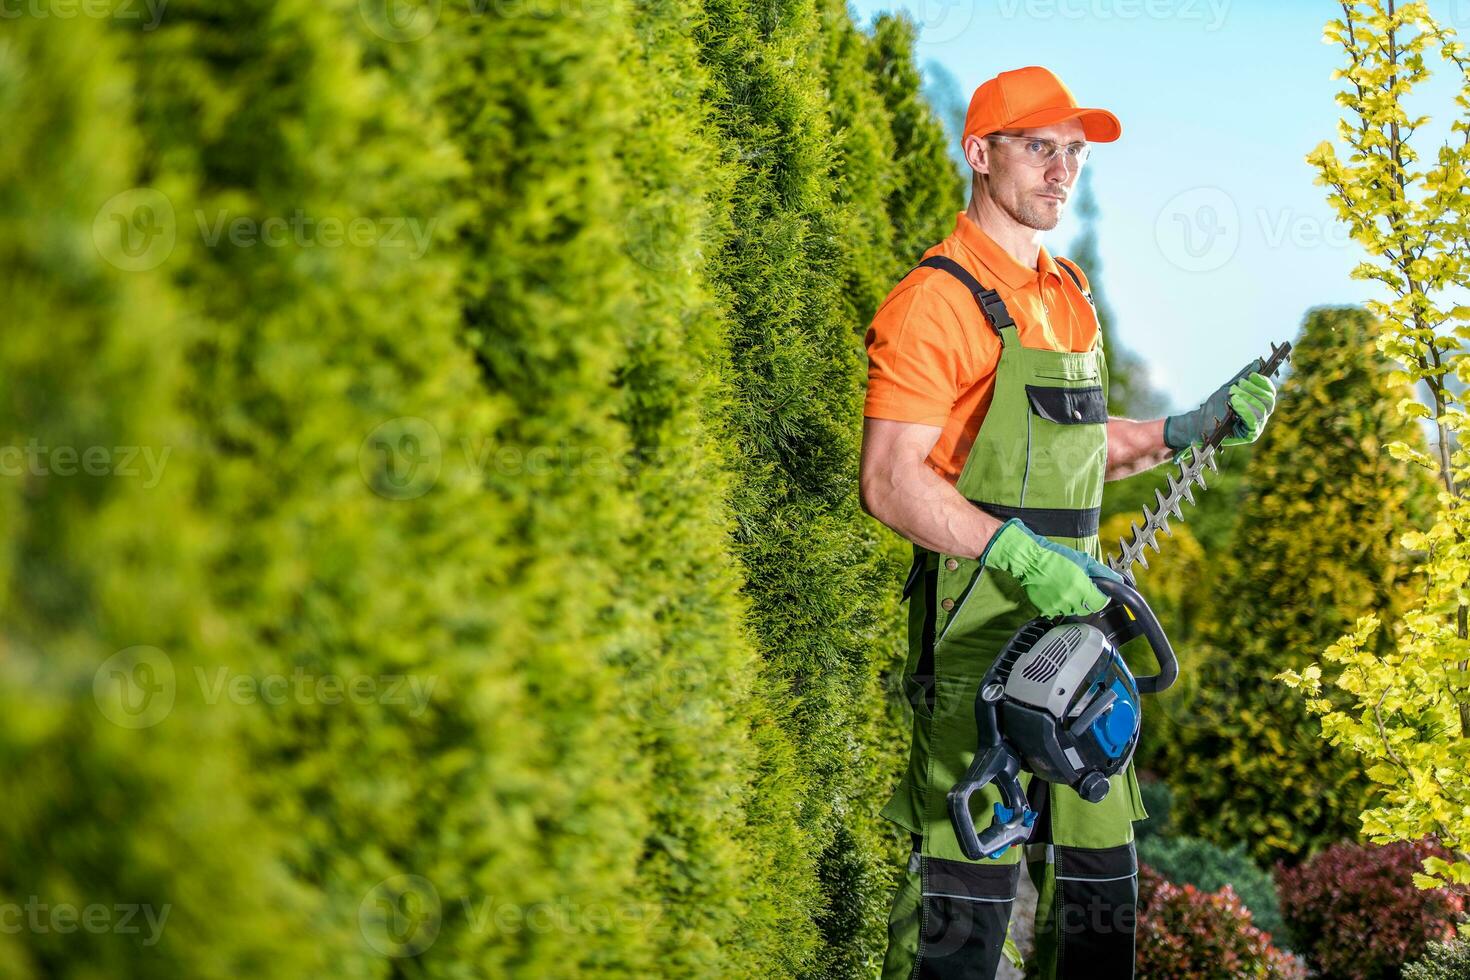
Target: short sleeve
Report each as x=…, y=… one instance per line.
x=919, y=357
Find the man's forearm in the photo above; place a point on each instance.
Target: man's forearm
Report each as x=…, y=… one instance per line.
x=924, y=507
x=1134, y=447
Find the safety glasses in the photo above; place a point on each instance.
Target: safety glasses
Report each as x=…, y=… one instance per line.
x=1038, y=152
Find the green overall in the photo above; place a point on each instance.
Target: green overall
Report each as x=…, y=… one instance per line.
x=1040, y=455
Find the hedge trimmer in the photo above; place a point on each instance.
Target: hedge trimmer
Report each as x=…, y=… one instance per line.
x=1191, y=473
x=1058, y=700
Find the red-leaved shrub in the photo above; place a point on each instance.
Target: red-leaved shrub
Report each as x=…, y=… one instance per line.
x=1185, y=934
x=1356, y=912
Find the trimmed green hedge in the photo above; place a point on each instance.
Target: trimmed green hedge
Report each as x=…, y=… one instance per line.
x=132, y=843
x=506, y=570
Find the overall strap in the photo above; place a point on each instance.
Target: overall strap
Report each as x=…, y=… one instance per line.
x=1067, y=265
x=994, y=311
x=988, y=300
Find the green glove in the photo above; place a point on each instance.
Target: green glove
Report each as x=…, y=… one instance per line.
x=1057, y=579
x=1250, y=393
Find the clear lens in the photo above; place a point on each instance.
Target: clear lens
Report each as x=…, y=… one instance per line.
x=1038, y=152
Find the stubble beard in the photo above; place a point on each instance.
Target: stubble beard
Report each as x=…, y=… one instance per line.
x=1032, y=215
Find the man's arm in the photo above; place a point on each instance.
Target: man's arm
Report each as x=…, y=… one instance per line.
x=899, y=489
x=1134, y=447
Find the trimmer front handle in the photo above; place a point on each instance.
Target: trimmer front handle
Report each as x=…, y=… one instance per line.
x=1120, y=627
x=1012, y=819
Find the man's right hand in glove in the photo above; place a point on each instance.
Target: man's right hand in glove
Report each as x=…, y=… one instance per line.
x=1057, y=579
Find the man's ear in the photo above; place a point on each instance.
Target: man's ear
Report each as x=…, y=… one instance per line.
x=977, y=154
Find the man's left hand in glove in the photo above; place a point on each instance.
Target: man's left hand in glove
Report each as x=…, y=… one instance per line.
x=1250, y=393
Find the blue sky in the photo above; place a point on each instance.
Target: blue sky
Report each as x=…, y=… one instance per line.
x=1214, y=240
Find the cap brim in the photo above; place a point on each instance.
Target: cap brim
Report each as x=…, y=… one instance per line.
x=1098, y=125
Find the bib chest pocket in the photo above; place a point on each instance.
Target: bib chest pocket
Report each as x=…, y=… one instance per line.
x=1068, y=406
x=1064, y=442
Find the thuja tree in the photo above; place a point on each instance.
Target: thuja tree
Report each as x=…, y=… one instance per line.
x=121, y=788
x=712, y=754
x=927, y=189
x=1406, y=710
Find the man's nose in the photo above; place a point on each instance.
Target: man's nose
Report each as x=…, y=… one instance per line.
x=1058, y=171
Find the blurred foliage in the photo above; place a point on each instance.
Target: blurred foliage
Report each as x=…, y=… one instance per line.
x=1159, y=803
x=1315, y=542
x=1209, y=867
x=1184, y=932
x=570, y=467
x=1441, y=961
x=135, y=812
x=1357, y=912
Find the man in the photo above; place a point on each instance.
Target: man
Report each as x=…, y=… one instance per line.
x=986, y=443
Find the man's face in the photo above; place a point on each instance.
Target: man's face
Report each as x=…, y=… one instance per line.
x=1033, y=196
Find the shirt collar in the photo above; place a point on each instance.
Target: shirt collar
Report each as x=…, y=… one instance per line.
x=997, y=260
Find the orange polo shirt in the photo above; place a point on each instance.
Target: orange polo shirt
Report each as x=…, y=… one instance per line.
x=931, y=354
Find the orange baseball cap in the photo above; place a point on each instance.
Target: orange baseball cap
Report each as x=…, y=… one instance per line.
x=1033, y=96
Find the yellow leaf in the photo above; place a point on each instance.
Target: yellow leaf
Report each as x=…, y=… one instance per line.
x=1383, y=773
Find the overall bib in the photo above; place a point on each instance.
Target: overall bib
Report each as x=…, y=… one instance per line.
x=1040, y=455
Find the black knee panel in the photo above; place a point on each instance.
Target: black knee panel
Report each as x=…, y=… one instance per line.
x=966, y=908
x=1097, y=903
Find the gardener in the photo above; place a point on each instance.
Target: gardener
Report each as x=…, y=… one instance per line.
x=986, y=443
